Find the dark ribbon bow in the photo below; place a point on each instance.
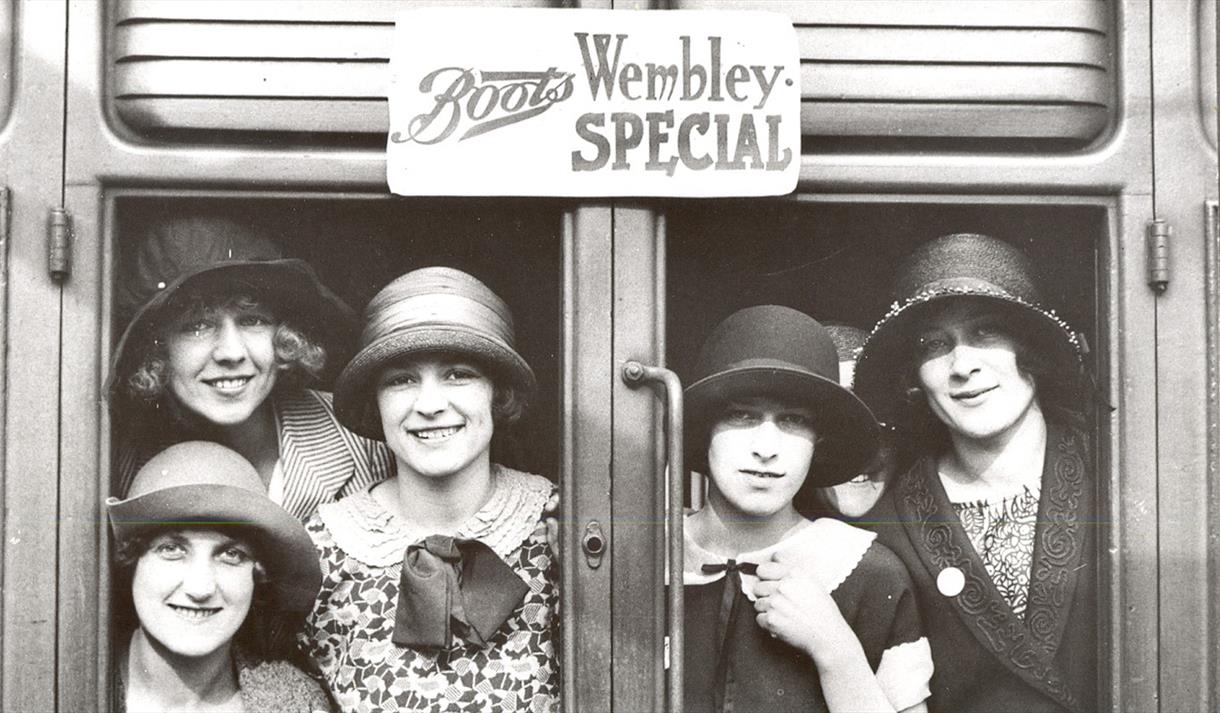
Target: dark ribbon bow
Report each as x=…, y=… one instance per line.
x=453, y=587
x=722, y=697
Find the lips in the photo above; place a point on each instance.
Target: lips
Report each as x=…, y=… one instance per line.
x=437, y=433
x=763, y=473
x=228, y=383
x=971, y=394
x=194, y=614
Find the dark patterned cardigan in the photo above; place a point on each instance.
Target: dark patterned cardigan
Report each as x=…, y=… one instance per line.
x=987, y=658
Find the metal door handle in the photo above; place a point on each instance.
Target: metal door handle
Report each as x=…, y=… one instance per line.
x=636, y=375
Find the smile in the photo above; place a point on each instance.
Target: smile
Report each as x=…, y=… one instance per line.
x=763, y=473
x=228, y=383
x=194, y=613
x=434, y=434
x=972, y=394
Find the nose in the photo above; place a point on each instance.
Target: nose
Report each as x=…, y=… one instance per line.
x=765, y=443
x=199, y=579
x=431, y=398
x=230, y=344
x=963, y=360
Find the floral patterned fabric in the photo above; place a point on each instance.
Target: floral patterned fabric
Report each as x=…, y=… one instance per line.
x=349, y=632
x=1002, y=532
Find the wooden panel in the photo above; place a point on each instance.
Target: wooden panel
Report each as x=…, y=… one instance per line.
x=258, y=66
x=31, y=165
x=6, y=58
x=985, y=69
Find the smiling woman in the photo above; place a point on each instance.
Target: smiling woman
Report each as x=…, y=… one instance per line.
x=223, y=336
x=439, y=586
x=210, y=566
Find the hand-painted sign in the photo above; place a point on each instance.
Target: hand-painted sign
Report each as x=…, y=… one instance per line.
x=593, y=103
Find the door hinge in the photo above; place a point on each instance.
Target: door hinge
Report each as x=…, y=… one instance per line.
x=1159, y=233
x=59, y=244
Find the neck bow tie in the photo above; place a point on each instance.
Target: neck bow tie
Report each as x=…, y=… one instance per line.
x=731, y=566
x=452, y=587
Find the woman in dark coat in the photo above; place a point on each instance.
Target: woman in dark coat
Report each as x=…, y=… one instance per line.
x=995, y=519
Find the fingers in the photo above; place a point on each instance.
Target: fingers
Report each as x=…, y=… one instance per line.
x=552, y=505
x=770, y=571
x=552, y=533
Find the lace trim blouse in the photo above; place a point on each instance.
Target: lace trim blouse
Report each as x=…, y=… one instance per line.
x=1002, y=533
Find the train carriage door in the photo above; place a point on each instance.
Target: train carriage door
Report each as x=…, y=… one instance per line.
x=1185, y=95
x=32, y=657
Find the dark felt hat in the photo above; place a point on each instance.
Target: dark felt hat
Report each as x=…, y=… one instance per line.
x=216, y=254
x=200, y=484
x=775, y=351
x=432, y=309
x=952, y=267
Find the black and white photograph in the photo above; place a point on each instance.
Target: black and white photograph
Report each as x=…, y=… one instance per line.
x=553, y=356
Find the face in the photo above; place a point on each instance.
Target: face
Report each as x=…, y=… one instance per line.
x=968, y=371
x=222, y=362
x=192, y=590
x=858, y=495
x=436, y=415
x=759, y=456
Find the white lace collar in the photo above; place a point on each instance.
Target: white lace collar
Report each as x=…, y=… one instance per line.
x=367, y=531
x=826, y=549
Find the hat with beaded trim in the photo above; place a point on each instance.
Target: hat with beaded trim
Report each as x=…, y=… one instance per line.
x=957, y=266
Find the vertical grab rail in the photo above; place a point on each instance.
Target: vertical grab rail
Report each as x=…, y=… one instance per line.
x=636, y=375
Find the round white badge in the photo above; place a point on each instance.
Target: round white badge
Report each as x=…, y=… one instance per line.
x=950, y=581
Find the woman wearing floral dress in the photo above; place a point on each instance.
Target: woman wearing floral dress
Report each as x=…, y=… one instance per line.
x=439, y=588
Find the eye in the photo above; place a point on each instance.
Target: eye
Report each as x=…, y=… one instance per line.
x=930, y=345
x=399, y=378
x=740, y=417
x=196, y=327
x=796, y=421
x=169, y=549
x=987, y=331
x=462, y=374
x=234, y=555
x=255, y=319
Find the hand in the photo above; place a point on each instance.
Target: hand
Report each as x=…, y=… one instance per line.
x=549, y=513
x=795, y=608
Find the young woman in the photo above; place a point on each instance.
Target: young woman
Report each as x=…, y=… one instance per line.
x=207, y=563
x=439, y=586
x=996, y=520
x=783, y=612
x=223, y=336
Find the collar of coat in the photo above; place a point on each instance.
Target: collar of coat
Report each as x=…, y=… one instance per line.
x=1026, y=646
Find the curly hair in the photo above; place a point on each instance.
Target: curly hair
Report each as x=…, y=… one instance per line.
x=266, y=632
x=301, y=358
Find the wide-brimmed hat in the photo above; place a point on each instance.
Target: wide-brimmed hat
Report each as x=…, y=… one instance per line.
x=429, y=310
x=775, y=351
x=216, y=254
x=954, y=267
x=199, y=484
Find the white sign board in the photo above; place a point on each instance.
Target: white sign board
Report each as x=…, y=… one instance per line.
x=538, y=102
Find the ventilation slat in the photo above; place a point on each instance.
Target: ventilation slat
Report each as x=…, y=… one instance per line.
x=263, y=40
x=1033, y=14
x=258, y=114
x=951, y=45
x=952, y=83
x=235, y=78
x=948, y=120
x=293, y=10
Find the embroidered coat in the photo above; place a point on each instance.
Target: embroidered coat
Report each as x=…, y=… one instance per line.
x=322, y=461
x=988, y=659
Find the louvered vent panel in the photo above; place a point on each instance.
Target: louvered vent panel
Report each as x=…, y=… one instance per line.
x=259, y=65
x=946, y=69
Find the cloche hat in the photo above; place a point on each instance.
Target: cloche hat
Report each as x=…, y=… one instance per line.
x=432, y=309
x=961, y=265
x=208, y=251
x=769, y=350
x=204, y=484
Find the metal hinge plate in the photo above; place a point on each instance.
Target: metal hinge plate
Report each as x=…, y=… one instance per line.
x=59, y=244
x=1159, y=233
